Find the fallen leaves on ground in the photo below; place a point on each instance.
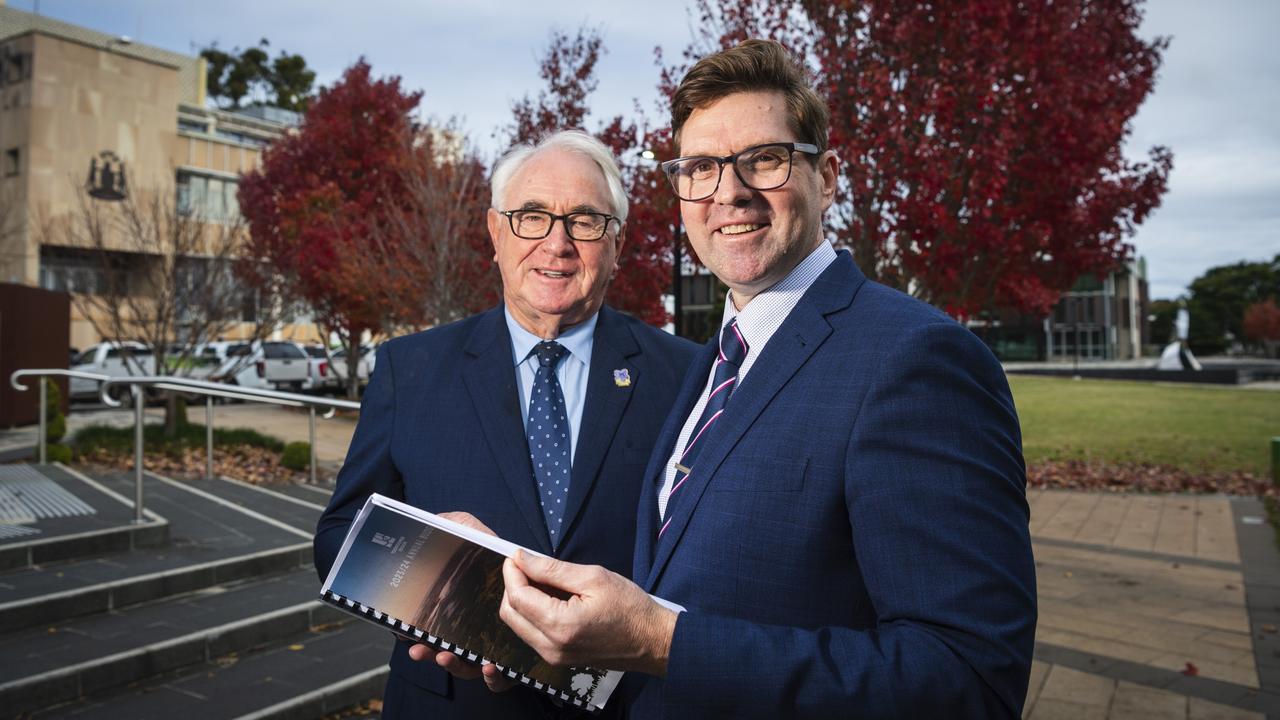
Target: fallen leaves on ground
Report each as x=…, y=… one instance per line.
x=1143, y=477
x=369, y=708
x=255, y=465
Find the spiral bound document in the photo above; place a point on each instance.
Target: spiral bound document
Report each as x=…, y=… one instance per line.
x=433, y=581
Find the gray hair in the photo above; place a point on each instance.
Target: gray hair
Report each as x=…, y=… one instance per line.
x=573, y=141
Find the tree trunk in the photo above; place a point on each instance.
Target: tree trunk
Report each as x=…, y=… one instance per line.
x=175, y=414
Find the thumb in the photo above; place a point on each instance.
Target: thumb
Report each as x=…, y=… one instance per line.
x=539, y=568
x=548, y=573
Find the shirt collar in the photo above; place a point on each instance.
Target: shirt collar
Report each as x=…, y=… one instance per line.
x=577, y=339
x=760, y=318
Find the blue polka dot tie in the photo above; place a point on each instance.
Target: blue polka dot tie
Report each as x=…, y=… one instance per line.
x=548, y=431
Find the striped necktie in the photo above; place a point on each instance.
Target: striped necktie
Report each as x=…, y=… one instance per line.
x=548, y=433
x=733, y=350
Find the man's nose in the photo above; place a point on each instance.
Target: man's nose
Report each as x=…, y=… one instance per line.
x=558, y=241
x=731, y=191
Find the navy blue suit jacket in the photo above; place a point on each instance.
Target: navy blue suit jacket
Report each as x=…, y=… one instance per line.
x=853, y=540
x=441, y=428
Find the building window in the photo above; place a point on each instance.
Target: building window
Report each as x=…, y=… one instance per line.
x=240, y=137
x=208, y=198
x=12, y=162
x=83, y=271
x=193, y=126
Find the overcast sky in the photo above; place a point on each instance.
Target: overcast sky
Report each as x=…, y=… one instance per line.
x=1217, y=103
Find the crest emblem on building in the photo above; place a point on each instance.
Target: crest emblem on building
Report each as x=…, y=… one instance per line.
x=106, y=177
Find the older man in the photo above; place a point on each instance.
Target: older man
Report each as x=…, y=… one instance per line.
x=838, y=498
x=450, y=419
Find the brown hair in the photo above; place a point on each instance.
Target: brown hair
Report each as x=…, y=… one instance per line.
x=759, y=66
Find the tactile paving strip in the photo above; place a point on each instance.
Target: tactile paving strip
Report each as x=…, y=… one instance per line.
x=26, y=495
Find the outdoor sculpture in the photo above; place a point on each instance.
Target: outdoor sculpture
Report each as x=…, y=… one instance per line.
x=1176, y=355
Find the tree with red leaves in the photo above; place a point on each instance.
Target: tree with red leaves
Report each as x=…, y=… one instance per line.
x=1262, y=325
x=431, y=255
x=980, y=140
x=320, y=191
x=568, y=68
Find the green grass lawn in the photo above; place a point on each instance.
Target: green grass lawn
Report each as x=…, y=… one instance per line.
x=1195, y=428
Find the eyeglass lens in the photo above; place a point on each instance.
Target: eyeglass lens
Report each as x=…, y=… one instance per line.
x=762, y=168
x=536, y=224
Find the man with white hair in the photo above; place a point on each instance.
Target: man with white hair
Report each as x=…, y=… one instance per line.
x=448, y=422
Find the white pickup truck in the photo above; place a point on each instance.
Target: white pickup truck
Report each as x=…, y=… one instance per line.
x=114, y=359
x=271, y=365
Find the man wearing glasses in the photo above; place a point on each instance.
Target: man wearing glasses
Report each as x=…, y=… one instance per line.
x=838, y=498
x=536, y=417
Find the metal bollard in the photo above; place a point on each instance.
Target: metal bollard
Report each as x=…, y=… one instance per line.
x=1275, y=460
x=313, y=443
x=44, y=421
x=138, y=407
x=208, y=437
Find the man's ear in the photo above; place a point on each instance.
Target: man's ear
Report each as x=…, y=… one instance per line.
x=829, y=174
x=493, y=220
x=617, y=246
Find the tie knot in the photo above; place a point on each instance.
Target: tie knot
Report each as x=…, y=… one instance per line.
x=549, y=353
x=733, y=347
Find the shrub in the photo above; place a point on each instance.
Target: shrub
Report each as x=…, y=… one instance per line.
x=56, y=422
x=56, y=452
x=296, y=456
x=119, y=441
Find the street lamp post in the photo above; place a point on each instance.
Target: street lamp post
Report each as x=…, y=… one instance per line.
x=677, y=323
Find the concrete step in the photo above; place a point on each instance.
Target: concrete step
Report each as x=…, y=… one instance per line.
x=317, y=494
x=220, y=532
x=323, y=670
x=51, y=514
x=79, y=658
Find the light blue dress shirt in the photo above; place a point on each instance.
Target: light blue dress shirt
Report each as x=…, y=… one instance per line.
x=571, y=372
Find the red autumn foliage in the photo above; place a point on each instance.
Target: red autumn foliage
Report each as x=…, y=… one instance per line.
x=568, y=67
x=429, y=258
x=1262, y=321
x=319, y=190
x=980, y=141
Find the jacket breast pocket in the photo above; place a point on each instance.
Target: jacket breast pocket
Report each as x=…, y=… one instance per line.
x=760, y=475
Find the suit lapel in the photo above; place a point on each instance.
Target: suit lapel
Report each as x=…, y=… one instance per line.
x=490, y=379
x=799, y=336
x=647, y=521
x=611, y=349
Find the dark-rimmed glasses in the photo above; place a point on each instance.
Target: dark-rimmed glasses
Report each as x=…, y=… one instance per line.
x=760, y=167
x=536, y=224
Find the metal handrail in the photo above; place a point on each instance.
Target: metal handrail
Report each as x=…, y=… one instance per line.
x=44, y=399
x=185, y=385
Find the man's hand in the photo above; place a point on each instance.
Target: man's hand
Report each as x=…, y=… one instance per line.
x=463, y=670
x=606, y=622
x=455, y=665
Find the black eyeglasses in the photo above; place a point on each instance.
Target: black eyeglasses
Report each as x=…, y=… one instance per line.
x=536, y=224
x=761, y=167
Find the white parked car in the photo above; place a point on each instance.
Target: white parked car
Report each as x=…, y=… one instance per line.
x=115, y=359
x=321, y=376
x=271, y=365
x=364, y=366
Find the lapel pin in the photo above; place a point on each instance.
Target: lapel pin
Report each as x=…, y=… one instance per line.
x=622, y=378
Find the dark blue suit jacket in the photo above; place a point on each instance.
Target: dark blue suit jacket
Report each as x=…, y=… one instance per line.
x=853, y=540
x=441, y=428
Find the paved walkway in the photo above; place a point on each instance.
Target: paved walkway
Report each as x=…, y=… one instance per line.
x=1151, y=606
x=1144, y=608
